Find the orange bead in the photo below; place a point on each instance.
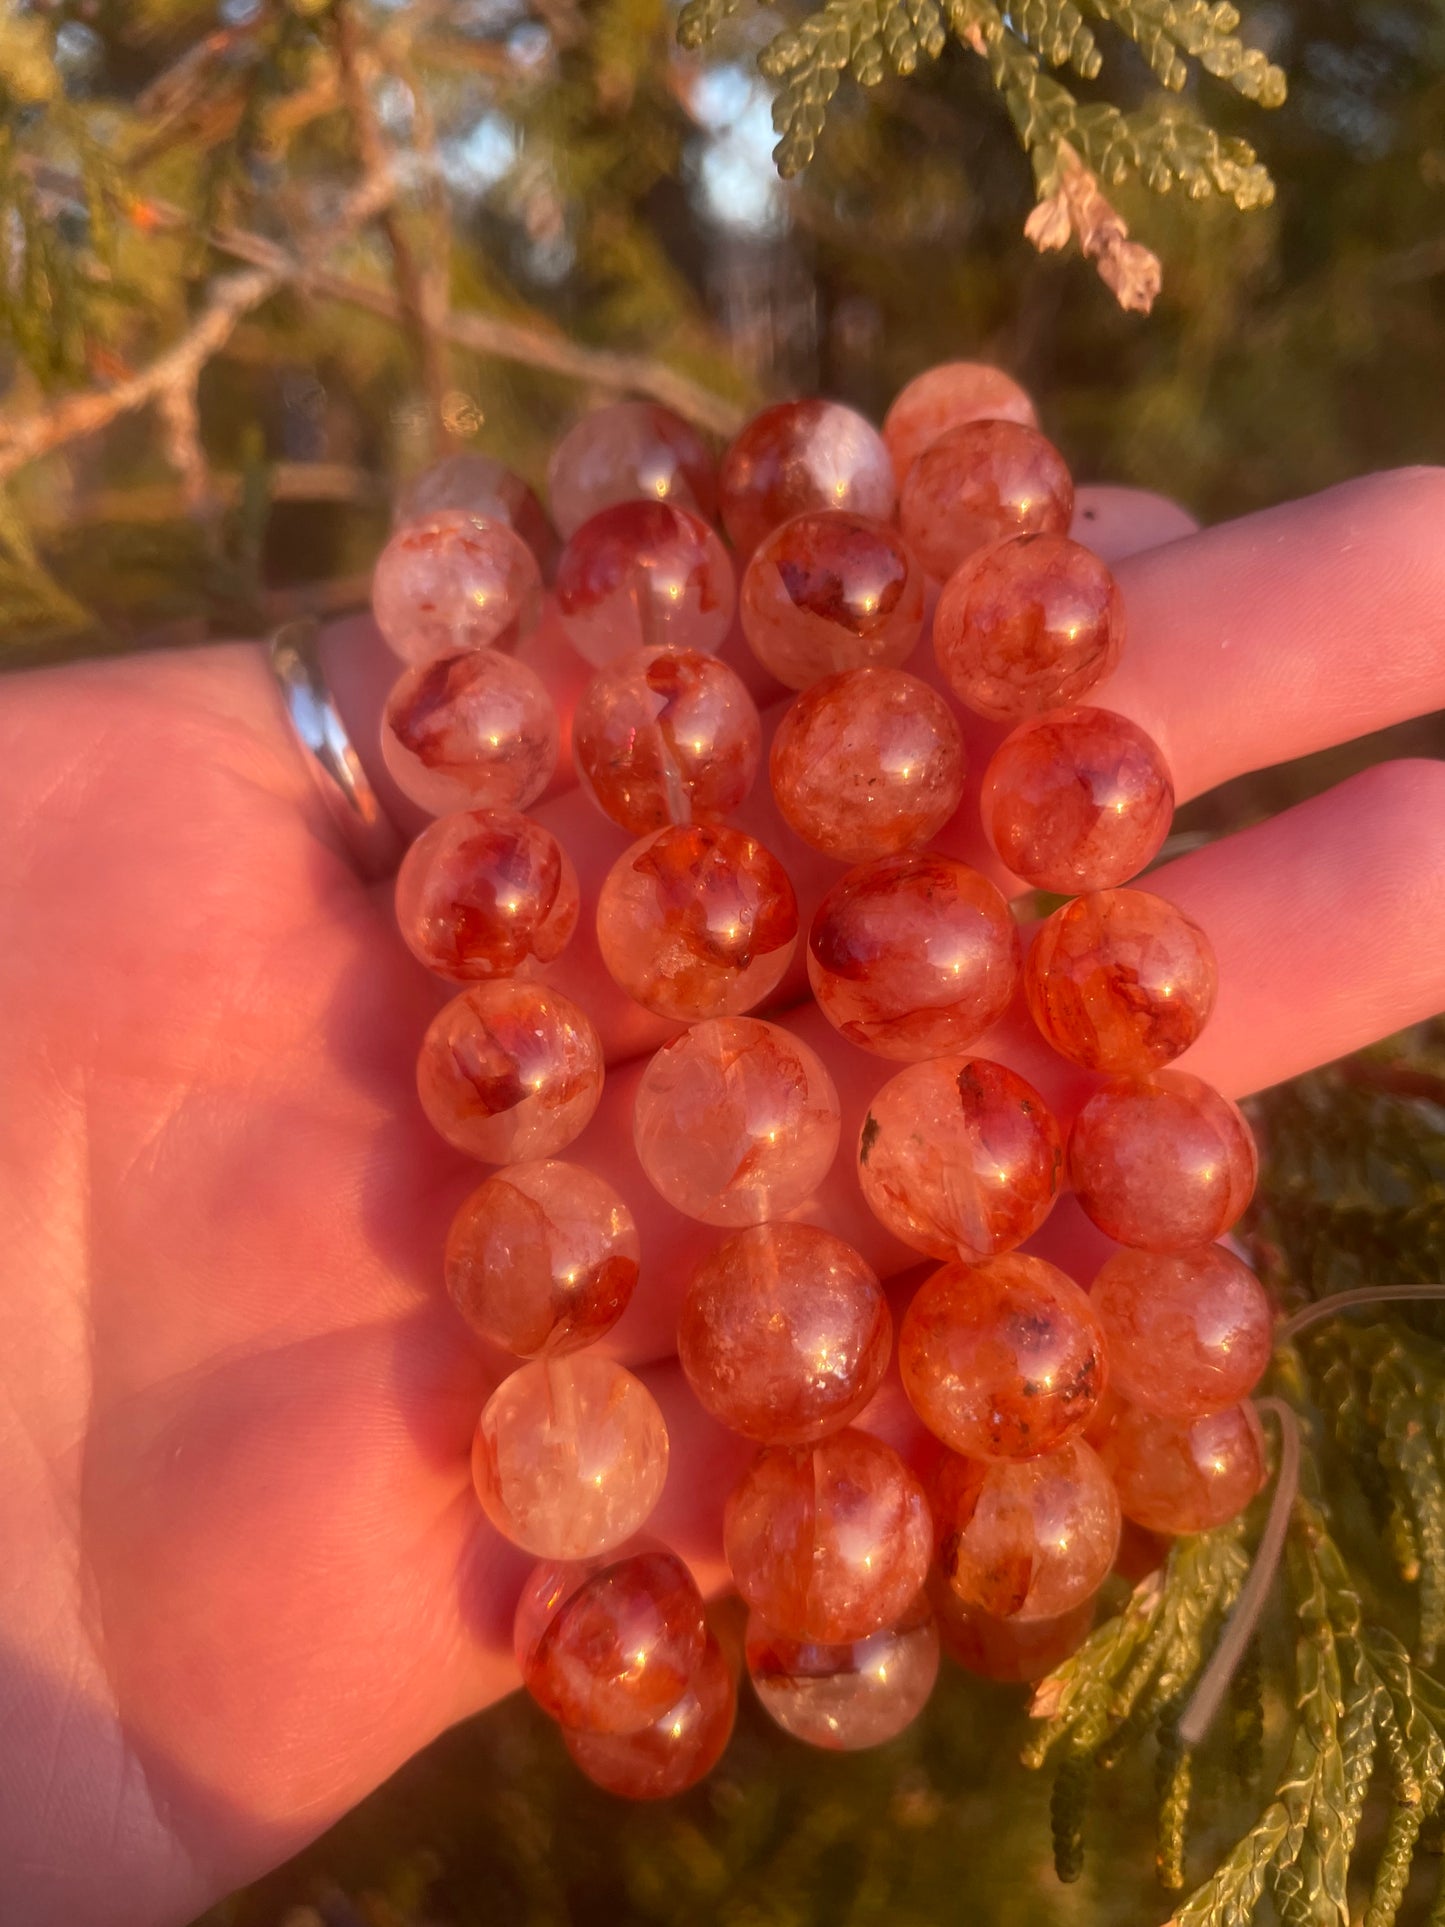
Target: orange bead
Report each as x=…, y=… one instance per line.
x=1025, y=1538
x=1018, y=1651
x=1003, y=1359
x=471, y=731
x=1163, y=1162
x=867, y=764
x=666, y=736
x=630, y=451
x=960, y=1157
x=828, y=592
x=542, y=1257
x=850, y=1696
x=1189, y=1332
x=486, y=893
x=1120, y=981
x=1183, y=1476
x=798, y=456
x=698, y=920
x=677, y=1750
x=510, y=1070
x=944, y=397
x=608, y=1645
x=829, y=1541
x=1027, y=625
x=454, y=581
x=977, y=484
x=913, y=956
x=1077, y=799
x=643, y=575
x=785, y=1333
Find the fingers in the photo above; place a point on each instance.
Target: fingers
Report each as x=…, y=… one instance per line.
x=1289, y=631
x=1329, y=923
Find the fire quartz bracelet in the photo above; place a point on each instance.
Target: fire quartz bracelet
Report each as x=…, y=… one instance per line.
x=1053, y=1413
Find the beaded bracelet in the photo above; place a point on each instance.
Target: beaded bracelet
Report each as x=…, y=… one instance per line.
x=854, y=1564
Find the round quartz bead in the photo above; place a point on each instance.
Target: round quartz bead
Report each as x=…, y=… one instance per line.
x=1120, y=981
x=944, y=397
x=1189, y=1333
x=977, y=484
x=867, y=764
x=608, y=1645
x=542, y=1257
x=784, y=1333
x=642, y=575
x=1026, y=1538
x=486, y=893
x=798, y=456
x=960, y=1157
x=1002, y=1360
x=1163, y=1162
x=632, y=451
x=666, y=736
x=1017, y=1651
x=677, y=1750
x=828, y=1541
x=698, y=920
x=1077, y=799
x=472, y=731
x=480, y=485
x=913, y=956
x=570, y=1455
x=1027, y=625
x=1178, y=1476
x=736, y=1122
x=831, y=591
x=510, y=1070
x=452, y=582
x=850, y=1696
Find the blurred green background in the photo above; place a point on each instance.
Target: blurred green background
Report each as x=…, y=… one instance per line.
x=574, y=183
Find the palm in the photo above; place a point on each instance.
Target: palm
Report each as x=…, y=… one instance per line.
x=251, y=1577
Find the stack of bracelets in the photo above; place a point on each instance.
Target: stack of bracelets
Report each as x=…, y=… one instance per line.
x=854, y=1564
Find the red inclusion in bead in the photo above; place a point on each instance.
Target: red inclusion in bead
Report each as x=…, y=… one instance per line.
x=697, y=921
x=1183, y=1476
x=1189, y=1333
x=1017, y=1651
x=829, y=1541
x=977, y=484
x=472, y=731
x=569, y=1456
x=510, y=1070
x=960, y=1157
x=1163, y=1162
x=631, y=451
x=736, y=1121
x=850, y=1696
x=913, y=956
x=1003, y=1359
x=1025, y=1538
x=480, y=485
x=643, y=575
x=945, y=397
x=610, y=1645
x=486, y=893
x=831, y=591
x=542, y=1257
x=784, y=1333
x=867, y=764
x=1120, y=981
x=1027, y=625
x=453, y=582
x=666, y=736
x=797, y=456
x=676, y=1751
x=1077, y=799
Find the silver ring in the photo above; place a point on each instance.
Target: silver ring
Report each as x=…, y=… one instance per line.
x=353, y=805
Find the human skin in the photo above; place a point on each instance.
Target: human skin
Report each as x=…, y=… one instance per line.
x=245, y=1575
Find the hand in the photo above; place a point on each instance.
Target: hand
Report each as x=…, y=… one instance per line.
x=245, y=1576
